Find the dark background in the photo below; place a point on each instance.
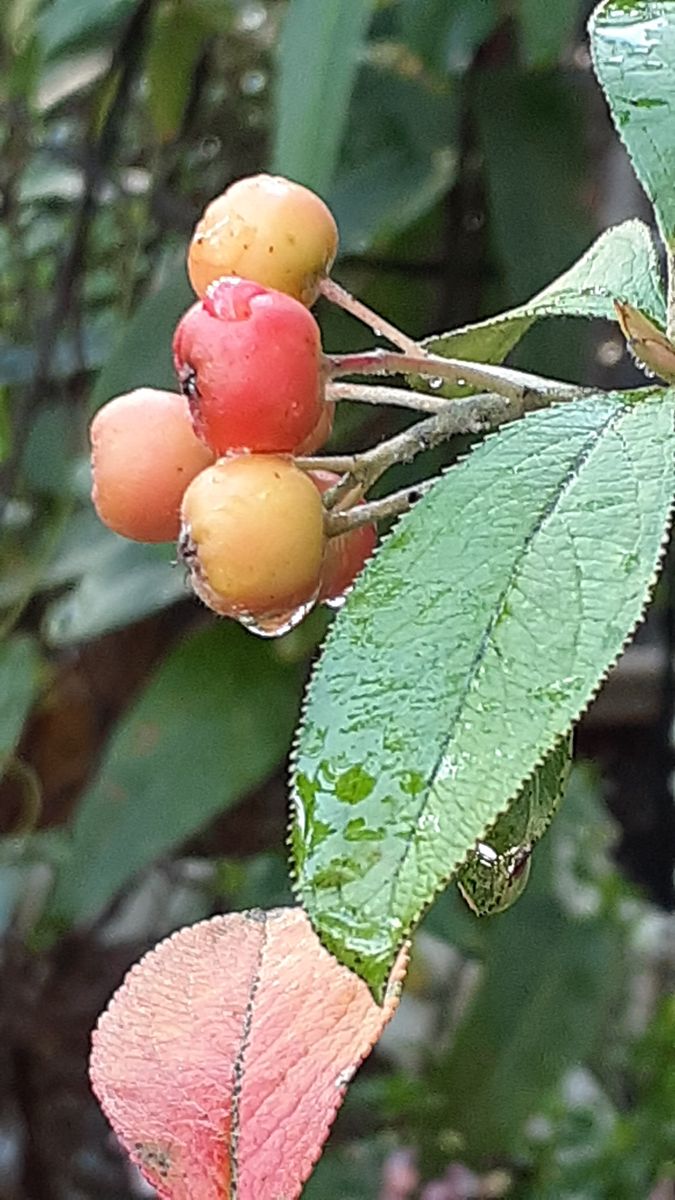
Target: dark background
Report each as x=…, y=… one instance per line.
x=143, y=745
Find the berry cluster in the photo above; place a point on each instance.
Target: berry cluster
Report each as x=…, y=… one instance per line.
x=214, y=467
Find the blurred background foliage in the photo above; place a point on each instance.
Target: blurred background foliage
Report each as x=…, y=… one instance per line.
x=468, y=155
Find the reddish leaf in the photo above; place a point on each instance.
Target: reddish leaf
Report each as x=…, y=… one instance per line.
x=225, y=1055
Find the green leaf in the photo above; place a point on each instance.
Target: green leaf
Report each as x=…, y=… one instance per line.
x=535, y=173
x=621, y=264
x=178, y=35
x=214, y=722
x=122, y=583
x=19, y=681
x=546, y=997
x=496, y=871
x=142, y=356
x=446, y=36
x=399, y=159
x=633, y=48
x=476, y=637
x=64, y=25
x=321, y=46
x=546, y=29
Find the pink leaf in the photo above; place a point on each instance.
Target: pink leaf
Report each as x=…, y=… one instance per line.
x=224, y=1056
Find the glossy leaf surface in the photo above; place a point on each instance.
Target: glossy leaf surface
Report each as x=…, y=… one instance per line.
x=620, y=265
x=226, y=1053
x=633, y=47
x=433, y=702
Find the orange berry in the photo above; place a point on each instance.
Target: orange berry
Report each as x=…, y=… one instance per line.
x=253, y=536
x=267, y=229
x=144, y=453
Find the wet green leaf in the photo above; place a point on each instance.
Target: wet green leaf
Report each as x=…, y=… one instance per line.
x=213, y=723
x=633, y=47
x=19, y=681
x=496, y=871
x=621, y=264
x=433, y=701
x=321, y=46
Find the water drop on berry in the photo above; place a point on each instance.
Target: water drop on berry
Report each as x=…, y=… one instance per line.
x=275, y=626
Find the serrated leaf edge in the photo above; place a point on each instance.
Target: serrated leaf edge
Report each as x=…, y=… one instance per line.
x=591, y=28
x=569, y=727
x=531, y=311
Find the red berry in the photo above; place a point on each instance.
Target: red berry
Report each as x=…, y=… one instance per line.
x=268, y=229
x=144, y=454
x=250, y=363
x=253, y=536
x=320, y=434
x=346, y=554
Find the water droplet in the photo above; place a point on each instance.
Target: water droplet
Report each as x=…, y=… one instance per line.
x=252, y=83
x=277, y=625
x=337, y=602
x=251, y=18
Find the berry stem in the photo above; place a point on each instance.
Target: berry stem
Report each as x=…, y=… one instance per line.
x=363, y=393
x=339, y=463
x=518, y=386
x=470, y=415
x=390, y=506
x=380, y=326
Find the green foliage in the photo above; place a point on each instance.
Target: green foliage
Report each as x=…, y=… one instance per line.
x=621, y=264
x=142, y=356
x=633, y=46
x=179, y=35
x=213, y=723
x=318, y=62
x=496, y=871
x=68, y=25
x=395, y=167
x=446, y=36
x=431, y=704
x=121, y=583
x=19, y=680
x=546, y=29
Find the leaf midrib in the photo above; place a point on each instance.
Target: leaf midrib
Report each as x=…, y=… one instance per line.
x=580, y=460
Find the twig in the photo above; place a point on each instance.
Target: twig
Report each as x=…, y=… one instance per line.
x=364, y=393
x=339, y=463
x=390, y=506
x=380, y=326
x=471, y=415
x=515, y=385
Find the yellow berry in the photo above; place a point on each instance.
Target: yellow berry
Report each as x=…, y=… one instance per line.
x=267, y=229
x=253, y=536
